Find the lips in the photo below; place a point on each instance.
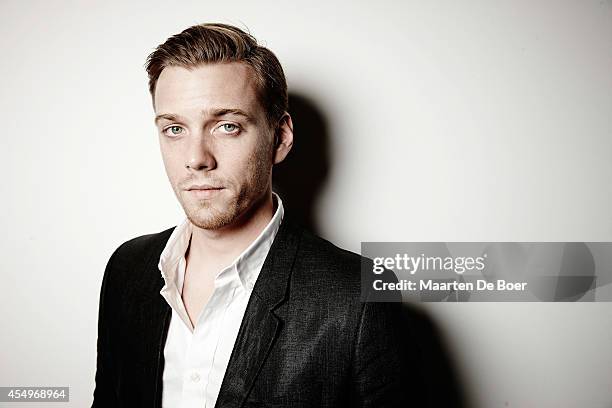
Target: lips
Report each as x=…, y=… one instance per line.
x=203, y=191
x=203, y=187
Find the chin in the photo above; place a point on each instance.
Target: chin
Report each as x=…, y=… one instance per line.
x=209, y=218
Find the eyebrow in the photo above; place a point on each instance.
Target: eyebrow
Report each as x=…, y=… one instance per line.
x=214, y=113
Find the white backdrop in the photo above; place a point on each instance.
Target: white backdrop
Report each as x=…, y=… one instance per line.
x=447, y=121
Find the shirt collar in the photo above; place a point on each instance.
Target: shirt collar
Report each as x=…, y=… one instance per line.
x=247, y=265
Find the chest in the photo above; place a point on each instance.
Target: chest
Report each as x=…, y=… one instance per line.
x=198, y=287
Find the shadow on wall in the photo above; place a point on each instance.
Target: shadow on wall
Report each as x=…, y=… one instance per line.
x=435, y=370
x=299, y=179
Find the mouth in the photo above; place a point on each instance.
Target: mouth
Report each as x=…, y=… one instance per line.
x=204, y=191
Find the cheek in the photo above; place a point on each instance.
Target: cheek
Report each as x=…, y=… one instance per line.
x=172, y=164
x=259, y=165
x=233, y=161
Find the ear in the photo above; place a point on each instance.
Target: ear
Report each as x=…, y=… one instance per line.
x=283, y=138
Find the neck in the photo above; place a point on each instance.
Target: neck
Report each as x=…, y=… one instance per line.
x=225, y=244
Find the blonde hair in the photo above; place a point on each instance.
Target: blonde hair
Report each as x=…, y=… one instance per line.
x=219, y=43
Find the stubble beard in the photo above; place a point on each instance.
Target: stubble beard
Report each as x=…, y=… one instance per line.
x=206, y=214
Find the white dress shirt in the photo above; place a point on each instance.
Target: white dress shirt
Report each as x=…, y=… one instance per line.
x=196, y=357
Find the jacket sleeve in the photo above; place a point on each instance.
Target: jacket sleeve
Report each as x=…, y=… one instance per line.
x=387, y=366
x=104, y=393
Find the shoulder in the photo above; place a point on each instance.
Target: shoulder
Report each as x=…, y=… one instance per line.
x=319, y=253
x=141, y=246
x=322, y=266
x=135, y=256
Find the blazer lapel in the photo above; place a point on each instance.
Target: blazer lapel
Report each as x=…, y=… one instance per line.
x=260, y=325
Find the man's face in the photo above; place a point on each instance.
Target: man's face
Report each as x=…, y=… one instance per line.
x=215, y=141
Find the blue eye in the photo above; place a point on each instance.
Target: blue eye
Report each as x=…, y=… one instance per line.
x=229, y=128
x=173, y=130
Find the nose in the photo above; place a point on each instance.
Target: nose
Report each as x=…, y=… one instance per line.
x=200, y=154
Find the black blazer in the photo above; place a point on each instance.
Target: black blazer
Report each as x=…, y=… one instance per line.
x=306, y=339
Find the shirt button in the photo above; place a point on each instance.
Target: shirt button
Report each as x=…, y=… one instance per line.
x=195, y=377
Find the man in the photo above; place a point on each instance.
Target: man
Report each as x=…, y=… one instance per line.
x=237, y=306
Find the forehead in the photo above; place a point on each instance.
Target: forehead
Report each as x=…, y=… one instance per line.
x=219, y=85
